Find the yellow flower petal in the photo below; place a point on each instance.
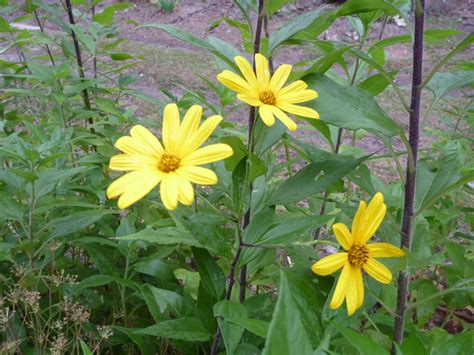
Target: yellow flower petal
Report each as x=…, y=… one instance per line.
x=341, y=287
x=246, y=70
x=263, y=73
x=352, y=292
x=359, y=283
x=296, y=86
x=384, y=250
x=125, y=162
x=235, y=83
x=283, y=117
x=280, y=77
x=201, y=135
x=147, y=140
x=170, y=127
x=189, y=125
x=298, y=96
x=249, y=100
x=208, y=154
x=118, y=186
x=343, y=235
x=358, y=220
x=132, y=146
x=133, y=186
x=373, y=217
x=198, y=175
x=329, y=264
x=299, y=110
x=378, y=271
x=169, y=191
x=266, y=114
x=185, y=191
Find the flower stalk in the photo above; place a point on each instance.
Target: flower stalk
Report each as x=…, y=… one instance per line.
x=407, y=222
x=247, y=216
x=77, y=49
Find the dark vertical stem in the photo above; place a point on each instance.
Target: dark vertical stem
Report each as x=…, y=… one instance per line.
x=407, y=222
x=251, y=122
x=326, y=194
x=94, y=60
x=77, y=48
x=246, y=221
x=267, y=35
x=40, y=25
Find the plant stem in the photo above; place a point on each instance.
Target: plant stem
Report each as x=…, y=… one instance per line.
x=406, y=236
x=246, y=219
x=251, y=122
x=48, y=50
x=77, y=48
x=326, y=194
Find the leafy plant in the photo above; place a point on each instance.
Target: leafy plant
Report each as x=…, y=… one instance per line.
x=198, y=269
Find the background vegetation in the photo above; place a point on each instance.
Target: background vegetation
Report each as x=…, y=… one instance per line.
x=79, y=275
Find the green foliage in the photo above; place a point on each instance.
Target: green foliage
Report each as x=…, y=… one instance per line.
x=77, y=275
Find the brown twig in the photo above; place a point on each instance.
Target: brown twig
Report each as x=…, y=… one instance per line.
x=407, y=222
x=247, y=216
x=77, y=48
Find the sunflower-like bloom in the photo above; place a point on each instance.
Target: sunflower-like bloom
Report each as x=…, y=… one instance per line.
x=267, y=93
x=173, y=164
x=358, y=255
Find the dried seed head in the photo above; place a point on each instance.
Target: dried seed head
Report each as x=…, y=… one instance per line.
x=105, y=331
x=59, y=345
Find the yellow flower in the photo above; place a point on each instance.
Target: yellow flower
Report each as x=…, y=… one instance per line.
x=173, y=164
x=267, y=93
x=359, y=255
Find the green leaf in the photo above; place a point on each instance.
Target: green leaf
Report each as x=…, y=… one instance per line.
x=212, y=277
x=287, y=334
x=313, y=179
x=351, y=7
x=231, y=333
x=77, y=221
x=292, y=28
x=163, y=236
x=361, y=342
x=291, y=229
x=106, y=16
x=188, y=329
x=459, y=344
x=146, y=347
x=440, y=34
x=93, y=281
x=275, y=5
x=181, y=34
x=377, y=83
x=255, y=326
x=448, y=177
x=121, y=56
x=466, y=42
x=160, y=300
x=350, y=107
x=5, y=251
x=324, y=63
x=85, y=349
x=443, y=83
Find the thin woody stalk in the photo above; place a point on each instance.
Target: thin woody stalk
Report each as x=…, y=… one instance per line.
x=77, y=49
x=251, y=122
x=246, y=219
x=407, y=223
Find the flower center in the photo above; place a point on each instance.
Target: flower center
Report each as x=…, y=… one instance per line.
x=358, y=255
x=168, y=163
x=267, y=97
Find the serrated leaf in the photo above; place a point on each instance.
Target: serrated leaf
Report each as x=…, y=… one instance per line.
x=287, y=334
x=188, y=329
